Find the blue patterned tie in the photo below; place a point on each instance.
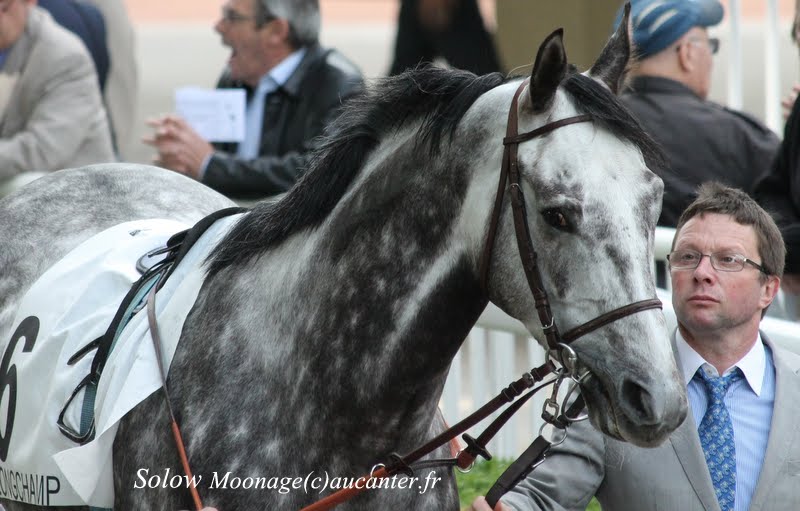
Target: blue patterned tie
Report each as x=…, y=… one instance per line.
x=716, y=437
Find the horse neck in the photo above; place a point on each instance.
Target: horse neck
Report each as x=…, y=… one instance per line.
x=377, y=299
x=407, y=292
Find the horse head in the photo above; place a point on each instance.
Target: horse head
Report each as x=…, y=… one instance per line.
x=592, y=205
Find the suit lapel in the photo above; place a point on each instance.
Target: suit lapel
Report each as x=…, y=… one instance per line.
x=690, y=454
x=687, y=447
x=783, y=430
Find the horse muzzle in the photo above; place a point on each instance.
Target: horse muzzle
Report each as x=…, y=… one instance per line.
x=643, y=411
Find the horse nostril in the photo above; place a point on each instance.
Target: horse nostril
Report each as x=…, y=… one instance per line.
x=638, y=403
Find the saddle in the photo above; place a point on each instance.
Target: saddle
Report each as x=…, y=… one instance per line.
x=155, y=267
x=86, y=387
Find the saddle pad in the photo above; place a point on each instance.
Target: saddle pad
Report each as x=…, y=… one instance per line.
x=70, y=305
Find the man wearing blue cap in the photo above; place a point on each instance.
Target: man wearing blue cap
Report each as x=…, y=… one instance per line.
x=703, y=141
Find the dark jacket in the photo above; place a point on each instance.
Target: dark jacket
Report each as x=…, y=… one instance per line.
x=702, y=141
x=87, y=22
x=294, y=117
x=778, y=191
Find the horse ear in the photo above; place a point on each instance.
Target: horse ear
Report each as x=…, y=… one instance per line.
x=549, y=70
x=612, y=64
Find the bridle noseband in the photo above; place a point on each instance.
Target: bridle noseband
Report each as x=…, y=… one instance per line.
x=509, y=172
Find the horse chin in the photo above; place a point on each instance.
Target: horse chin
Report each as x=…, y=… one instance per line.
x=605, y=415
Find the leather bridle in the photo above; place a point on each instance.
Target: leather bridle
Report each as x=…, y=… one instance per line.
x=509, y=172
x=558, y=348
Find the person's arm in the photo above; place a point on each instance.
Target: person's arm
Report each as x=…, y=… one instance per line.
x=773, y=190
x=567, y=480
x=271, y=174
x=264, y=176
x=58, y=123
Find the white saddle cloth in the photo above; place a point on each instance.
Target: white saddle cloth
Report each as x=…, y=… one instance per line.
x=75, y=302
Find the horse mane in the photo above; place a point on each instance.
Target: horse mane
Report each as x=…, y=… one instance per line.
x=437, y=98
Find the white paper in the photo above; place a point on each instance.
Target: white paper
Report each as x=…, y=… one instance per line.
x=216, y=114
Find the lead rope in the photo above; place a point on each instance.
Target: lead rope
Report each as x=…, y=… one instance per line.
x=398, y=464
x=176, y=431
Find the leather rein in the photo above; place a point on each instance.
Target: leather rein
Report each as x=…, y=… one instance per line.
x=558, y=348
x=561, y=416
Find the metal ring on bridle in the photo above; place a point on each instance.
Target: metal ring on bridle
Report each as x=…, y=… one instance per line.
x=568, y=359
x=555, y=440
x=570, y=391
x=464, y=470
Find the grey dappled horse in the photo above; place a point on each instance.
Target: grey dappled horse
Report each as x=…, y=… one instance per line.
x=323, y=333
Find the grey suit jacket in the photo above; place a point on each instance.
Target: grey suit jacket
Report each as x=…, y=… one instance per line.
x=122, y=86
x=673, y=476
x=51, y=114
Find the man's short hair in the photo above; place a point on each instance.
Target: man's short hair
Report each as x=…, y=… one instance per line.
x=714, y=197
x=659, y=23
x=303, y=17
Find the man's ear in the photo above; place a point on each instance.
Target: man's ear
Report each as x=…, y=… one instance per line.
x=686, y=56
x=278, y=28
x=770, y=290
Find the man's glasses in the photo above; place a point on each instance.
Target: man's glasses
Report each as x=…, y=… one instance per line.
x=713, y=43
x=231, y=16
x=720, y=261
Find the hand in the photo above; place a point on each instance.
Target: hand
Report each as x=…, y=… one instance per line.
x=788, y=101
x=180, y=147
x=480, y=504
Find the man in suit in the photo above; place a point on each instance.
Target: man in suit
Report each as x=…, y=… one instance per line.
x=87, y=22
x=294, y=88
x=121, y=92
x=739, y=449
x=51, y=114
x=106, y=30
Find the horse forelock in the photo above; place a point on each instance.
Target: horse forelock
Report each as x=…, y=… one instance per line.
x=591, y=97
x=432, y=99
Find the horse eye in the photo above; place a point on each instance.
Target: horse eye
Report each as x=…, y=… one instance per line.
x=557, y=219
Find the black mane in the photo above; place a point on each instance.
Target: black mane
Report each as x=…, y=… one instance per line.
x=437, y=96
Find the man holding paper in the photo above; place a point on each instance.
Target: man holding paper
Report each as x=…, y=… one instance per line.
x=293, y=88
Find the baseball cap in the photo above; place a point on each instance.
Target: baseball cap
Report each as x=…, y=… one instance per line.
x=659, y=23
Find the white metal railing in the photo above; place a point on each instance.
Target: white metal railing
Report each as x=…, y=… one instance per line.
x=770, y=68
x=500, y=349
x=772, y=72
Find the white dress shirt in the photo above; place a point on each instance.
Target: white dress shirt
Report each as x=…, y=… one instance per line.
x=749, y=402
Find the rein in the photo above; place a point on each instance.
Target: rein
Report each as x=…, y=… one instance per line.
x=557, y=348
x=559, y=418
